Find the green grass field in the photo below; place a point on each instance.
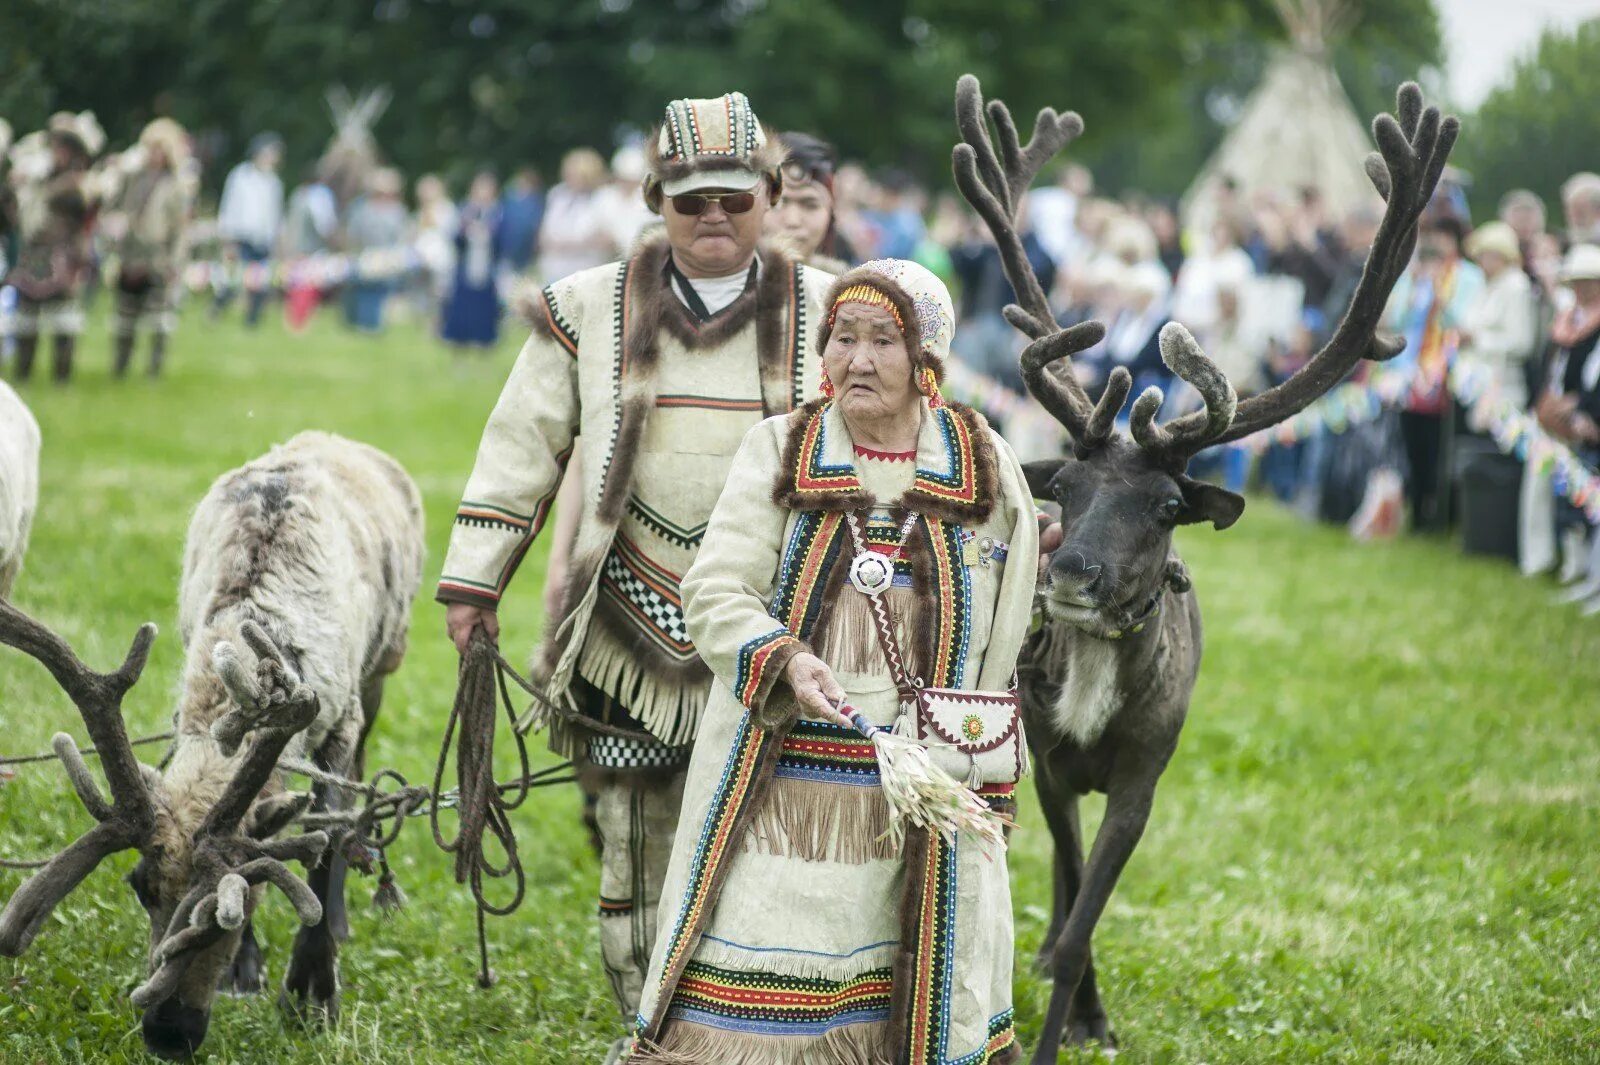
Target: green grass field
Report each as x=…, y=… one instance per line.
x=1376, y=842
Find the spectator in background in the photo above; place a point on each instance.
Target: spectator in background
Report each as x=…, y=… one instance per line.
x=1523, y=211
x=804, y=217
x=1569, y=406
x=899, y=216
x=434, y=237
x=1580, y=201
x=1428, y=307
x=1308, y=251
x=153, y=211
x=1195, y=300
x=1054, y=210
x=1163, y=222
x=626, y=214
x=1133, y=335
x=1497, y=329
x=989, y=343
x=472, y=312
x=573, y=235
x=248, y=218
x=1356, y=234
x=522, y=210
x=310, y=228
x=375, y=237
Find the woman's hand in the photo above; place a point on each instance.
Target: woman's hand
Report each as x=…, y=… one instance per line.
x=461, y=620
x=814, y=685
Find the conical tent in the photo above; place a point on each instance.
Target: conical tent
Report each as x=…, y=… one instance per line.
x=1298, y=129
x=352, y=153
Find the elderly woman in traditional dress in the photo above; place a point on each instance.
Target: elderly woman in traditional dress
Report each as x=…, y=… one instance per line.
x=796, y=927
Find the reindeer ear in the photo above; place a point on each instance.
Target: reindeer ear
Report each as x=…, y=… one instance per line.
x=1040, y=473
x=1207, y=502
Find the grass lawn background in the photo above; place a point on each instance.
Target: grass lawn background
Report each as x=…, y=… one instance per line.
x=1376, y=841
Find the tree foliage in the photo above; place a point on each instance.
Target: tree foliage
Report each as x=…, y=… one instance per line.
x=502, y=82
x=1542, y=125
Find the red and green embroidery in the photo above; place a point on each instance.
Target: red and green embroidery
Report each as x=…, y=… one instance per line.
x=769, y=1004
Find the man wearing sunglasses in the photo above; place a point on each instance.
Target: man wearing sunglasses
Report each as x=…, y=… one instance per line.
x=653, y=369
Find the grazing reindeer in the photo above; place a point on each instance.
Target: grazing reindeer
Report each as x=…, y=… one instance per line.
x=1107, y=680
x=306, y=560
x=19, y=483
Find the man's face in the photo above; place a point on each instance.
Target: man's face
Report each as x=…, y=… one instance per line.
x=715, y=243
x=802, y=216
x=1582, y=209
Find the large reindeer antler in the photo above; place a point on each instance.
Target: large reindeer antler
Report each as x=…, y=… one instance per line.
x=1413, y=145
x=275, y=705
x=123, y=823
x=994, y=182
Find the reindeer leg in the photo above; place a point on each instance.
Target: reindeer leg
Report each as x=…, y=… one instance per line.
x=311, y=987
x=246, y=976
x=1060, y=808
x=1127, y=811
x=1086, y=1016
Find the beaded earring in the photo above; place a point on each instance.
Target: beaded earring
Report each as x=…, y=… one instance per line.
x=928, y=385
x=827, y=386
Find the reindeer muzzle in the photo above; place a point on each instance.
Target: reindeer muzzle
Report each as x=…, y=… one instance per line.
x=174, y=1031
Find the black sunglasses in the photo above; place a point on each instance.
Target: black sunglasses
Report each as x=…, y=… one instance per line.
x=692, y=203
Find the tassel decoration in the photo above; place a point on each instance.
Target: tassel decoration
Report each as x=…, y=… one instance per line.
x=921, y=794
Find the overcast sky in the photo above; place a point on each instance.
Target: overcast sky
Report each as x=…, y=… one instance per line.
x=1483, y=37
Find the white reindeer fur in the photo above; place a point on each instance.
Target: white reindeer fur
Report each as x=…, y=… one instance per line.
x=320, y=541
x=1088, y=695
x=19, y=483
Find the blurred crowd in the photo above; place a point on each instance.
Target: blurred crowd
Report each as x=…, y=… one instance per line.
x=1262, y=283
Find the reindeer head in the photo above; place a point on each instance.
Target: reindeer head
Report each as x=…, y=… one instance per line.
x=1122, y=495
x=198, y=882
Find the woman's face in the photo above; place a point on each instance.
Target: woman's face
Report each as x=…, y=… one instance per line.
x=868, y=363
x=803, y=215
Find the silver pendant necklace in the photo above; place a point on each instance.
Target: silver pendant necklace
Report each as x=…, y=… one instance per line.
x=872, y=573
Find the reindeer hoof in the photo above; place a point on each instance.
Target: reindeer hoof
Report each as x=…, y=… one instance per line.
x=1082, y=1032
x=311, y=990
x=310, y=1011
x=247, y=975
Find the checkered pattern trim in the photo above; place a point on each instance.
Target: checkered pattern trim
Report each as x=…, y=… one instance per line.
x=625, y=753
x=650, y=595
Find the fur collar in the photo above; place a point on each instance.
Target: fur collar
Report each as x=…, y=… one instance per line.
x=957, y=476
x=654, y=286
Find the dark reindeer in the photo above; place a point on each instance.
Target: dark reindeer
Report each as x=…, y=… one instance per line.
x=1107, y=680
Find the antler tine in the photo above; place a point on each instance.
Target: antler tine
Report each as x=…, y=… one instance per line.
x=271, y=871
x=1104, y=418
x=276, y=704
x=1413, y=146
x=1142, y=421
x=994, y=186
x=33, y=902
x=1060, y=394
x=98, y=697
x=126, y=821
x=988, y=188
x=66, y=749
x=1182, y=439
